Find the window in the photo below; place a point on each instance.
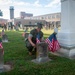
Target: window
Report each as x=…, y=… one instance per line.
x=29, y=23
x=57, y=16
x=53, y=16
x=49, y=17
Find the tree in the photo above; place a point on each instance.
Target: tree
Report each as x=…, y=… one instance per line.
x=1, y=14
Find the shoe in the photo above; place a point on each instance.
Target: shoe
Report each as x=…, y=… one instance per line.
x=30, y=53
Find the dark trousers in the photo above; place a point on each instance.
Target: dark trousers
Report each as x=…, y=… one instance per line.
x=31, y=48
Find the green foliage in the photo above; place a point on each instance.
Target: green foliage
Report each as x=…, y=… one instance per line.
x=16, y=55
x=1, y=14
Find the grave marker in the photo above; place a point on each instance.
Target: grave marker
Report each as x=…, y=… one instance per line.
x=41, y=53
x=4, y=38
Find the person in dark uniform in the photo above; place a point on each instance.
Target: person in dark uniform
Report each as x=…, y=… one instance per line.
x=32, y=38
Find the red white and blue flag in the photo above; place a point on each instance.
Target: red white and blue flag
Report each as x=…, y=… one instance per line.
x=53, y=44
x=38, y=38
x=1, y=46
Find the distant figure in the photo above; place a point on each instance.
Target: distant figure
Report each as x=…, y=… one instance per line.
x=4, y=36
x=25, y=32
x=32, y=38
x=5, y=27
x=2, y=33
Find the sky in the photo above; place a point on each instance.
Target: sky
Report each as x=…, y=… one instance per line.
x=35, y=7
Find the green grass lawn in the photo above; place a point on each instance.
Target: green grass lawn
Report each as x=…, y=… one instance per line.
x=16, y=55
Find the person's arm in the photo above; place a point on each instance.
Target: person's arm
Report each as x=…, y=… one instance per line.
x=29, y=38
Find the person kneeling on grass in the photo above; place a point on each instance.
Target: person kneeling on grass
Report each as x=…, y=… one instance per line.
x=32, y=38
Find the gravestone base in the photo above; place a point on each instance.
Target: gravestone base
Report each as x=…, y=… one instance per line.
x=41, y=53
x=41, y=60
x=5, y=40
x=5, y=68
x=65, y=52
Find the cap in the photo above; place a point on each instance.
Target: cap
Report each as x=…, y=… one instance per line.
x=39, y=25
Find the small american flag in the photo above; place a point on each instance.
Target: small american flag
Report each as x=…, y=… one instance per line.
x=2, y=48
x=1, y=45
x=38, y=38
x=53, y=44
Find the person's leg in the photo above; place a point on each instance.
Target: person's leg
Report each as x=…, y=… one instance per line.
x=34, y=51
x=30, y=48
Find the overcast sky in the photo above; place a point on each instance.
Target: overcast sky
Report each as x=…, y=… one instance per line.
x=36, y=7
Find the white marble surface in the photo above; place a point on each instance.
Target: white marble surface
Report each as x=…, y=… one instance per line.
x=66, y=36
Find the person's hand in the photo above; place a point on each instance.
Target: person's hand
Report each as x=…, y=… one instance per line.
x=42, y=40
x=33, y=45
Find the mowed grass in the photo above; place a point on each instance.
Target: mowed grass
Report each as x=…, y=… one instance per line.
x=16, y=54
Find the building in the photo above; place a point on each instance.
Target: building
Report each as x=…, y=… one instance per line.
x=24, y=15
x=26, y=22
x=11, y=12
x=3, y=22
x=48, y=20
x=53, y=19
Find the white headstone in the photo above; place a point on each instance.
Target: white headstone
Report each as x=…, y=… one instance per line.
x=41, y=53
x=66, y=36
